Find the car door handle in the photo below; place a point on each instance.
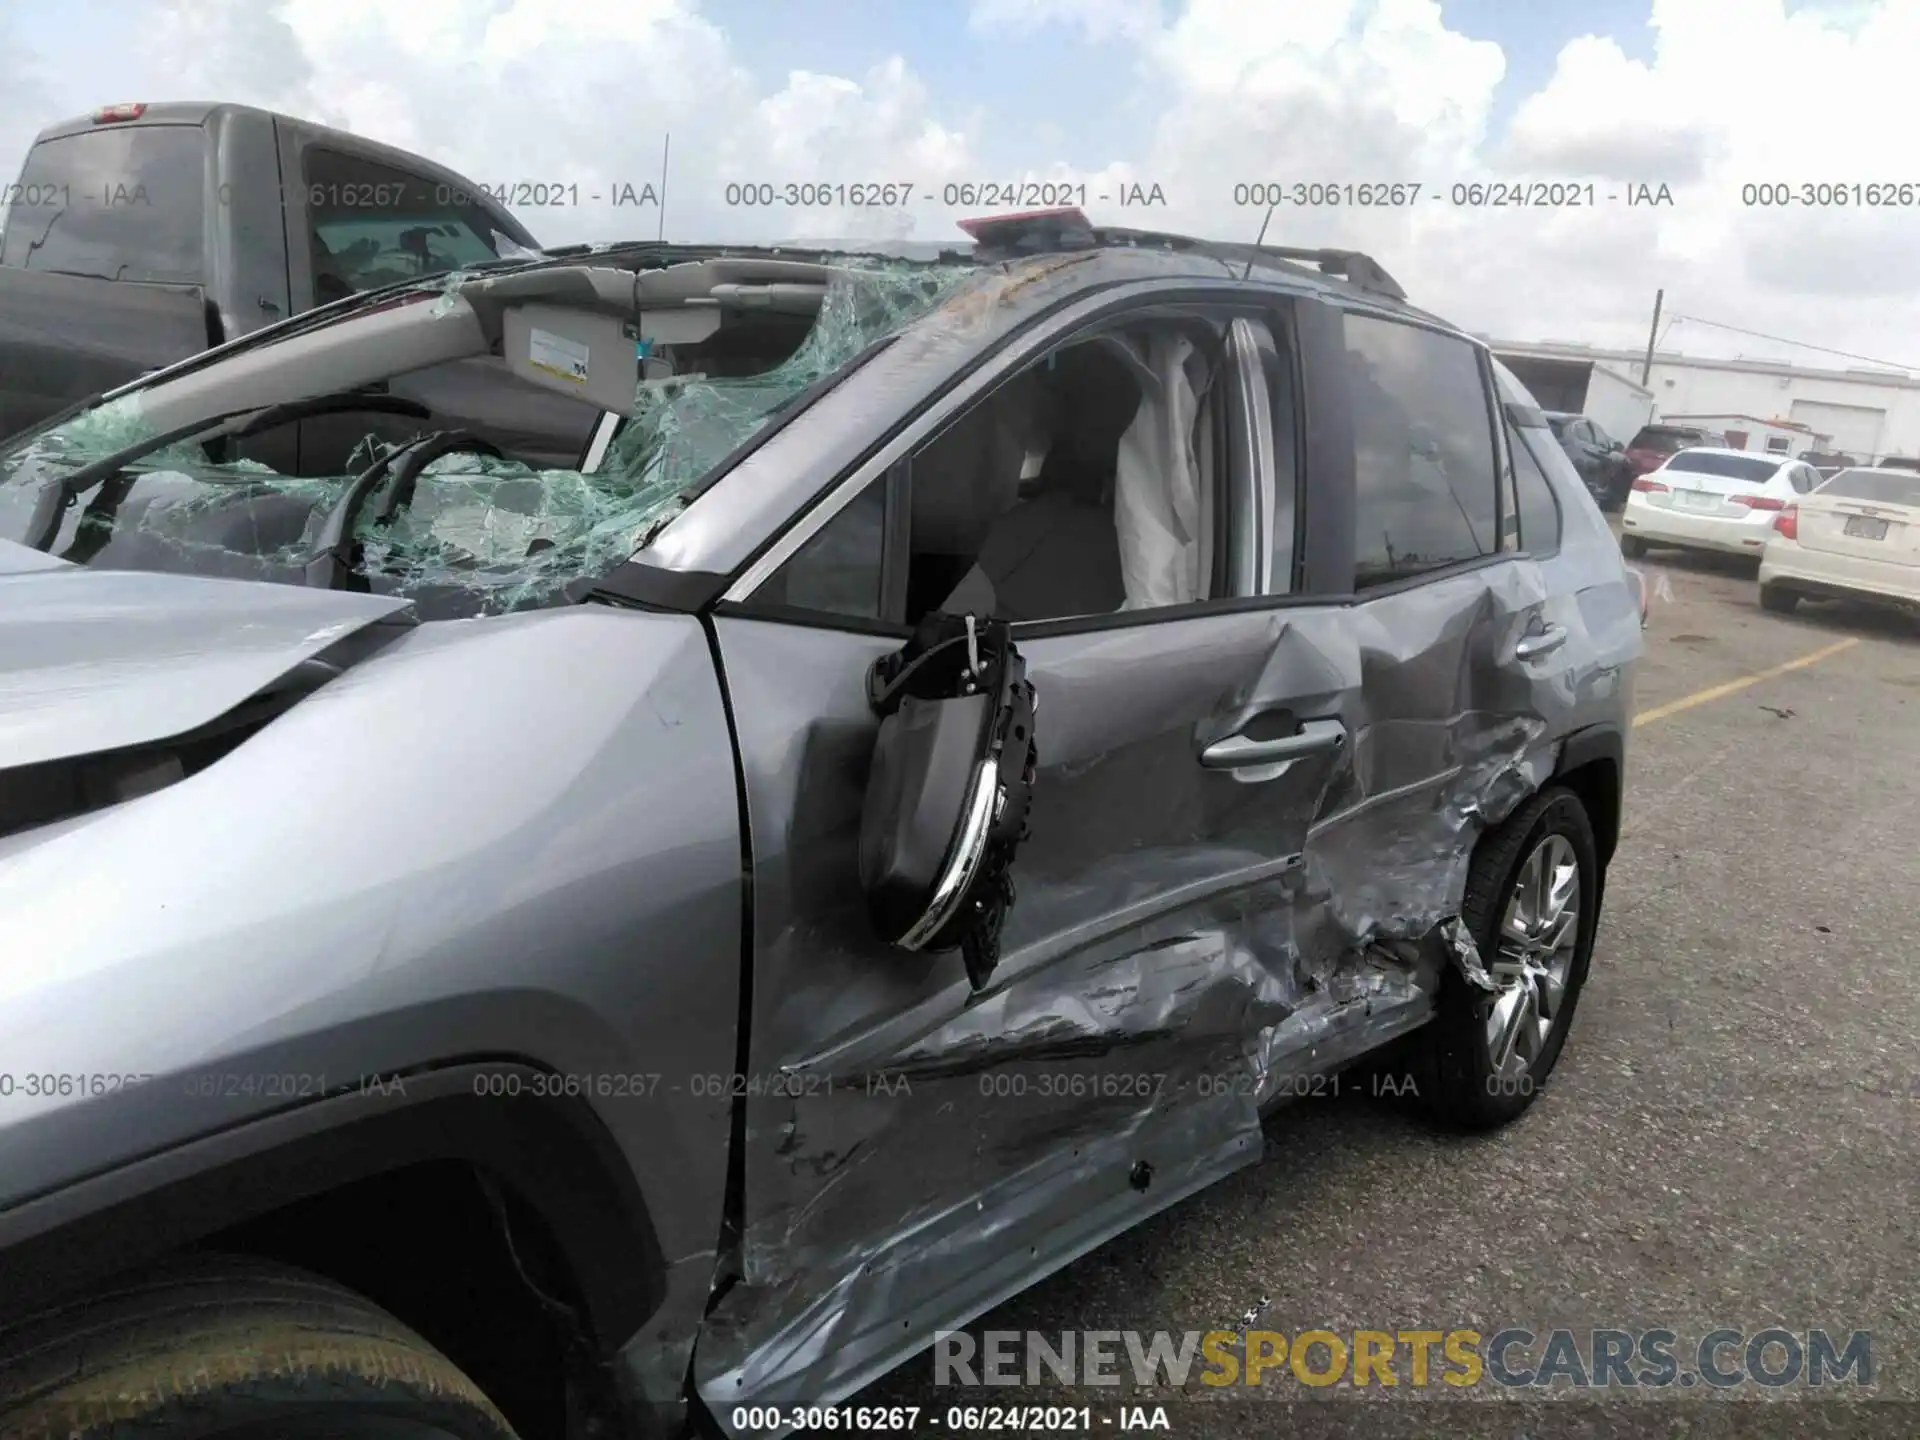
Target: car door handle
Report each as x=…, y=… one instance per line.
x=1237, y=751
x=1544, y=642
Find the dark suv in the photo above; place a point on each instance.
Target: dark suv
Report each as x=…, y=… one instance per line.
x=440, y=986
x=1600, y=459
x=1652, y=444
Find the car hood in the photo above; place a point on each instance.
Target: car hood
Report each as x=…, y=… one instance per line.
x=94, y=660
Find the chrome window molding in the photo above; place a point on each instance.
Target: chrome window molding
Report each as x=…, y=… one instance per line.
x=1061, y=328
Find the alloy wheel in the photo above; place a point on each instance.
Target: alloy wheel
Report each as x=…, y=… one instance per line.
x=1539, y=932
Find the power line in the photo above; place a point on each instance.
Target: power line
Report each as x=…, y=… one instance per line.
x=1800, y=344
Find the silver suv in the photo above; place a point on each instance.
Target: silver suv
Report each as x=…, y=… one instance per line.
x=437, y=981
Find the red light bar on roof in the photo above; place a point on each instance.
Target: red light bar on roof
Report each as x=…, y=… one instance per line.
x=1066, y=216
x=107, y=114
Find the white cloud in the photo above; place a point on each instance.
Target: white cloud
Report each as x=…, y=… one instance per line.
x=1744, y=93
x=27, y=102
x=1097, y=20
x=583, y=91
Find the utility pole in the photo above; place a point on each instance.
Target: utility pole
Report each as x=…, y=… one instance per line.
x=666, y=149
x=1646, y=366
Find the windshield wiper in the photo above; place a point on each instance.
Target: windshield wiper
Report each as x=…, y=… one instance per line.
x=43, y=525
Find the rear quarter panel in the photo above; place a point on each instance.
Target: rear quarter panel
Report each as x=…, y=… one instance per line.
x=1590, y=681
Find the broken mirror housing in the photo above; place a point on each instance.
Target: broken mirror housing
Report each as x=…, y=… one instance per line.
x=949, y=789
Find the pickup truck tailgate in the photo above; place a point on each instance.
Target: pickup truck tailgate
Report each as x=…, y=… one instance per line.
x=64, y=336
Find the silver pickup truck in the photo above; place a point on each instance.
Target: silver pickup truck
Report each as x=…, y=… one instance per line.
x=139, y=235
x=486, y=949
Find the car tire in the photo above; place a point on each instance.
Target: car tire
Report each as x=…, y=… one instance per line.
x=231, y=1347
x=1455, y=1067
x=1779, y=601
x=1632, y=546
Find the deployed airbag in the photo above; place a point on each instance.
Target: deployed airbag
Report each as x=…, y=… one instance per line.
x=1157, y=493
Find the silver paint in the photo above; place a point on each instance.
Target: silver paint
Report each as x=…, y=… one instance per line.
x=1227, y=939
x=94, y=660
x=460, y=847
x=519, y=836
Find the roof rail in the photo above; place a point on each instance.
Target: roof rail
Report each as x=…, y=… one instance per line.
x=1067, y=228
x=1361, y=271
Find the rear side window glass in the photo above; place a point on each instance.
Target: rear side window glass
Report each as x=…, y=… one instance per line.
x=1425, y=486
x=1657, y=437
x=373, y=225
x=122, y=203
x=1751, y=468
x=1886, y=486
x=1539, y=511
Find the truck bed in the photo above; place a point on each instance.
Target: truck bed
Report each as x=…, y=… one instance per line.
x=63, y=336
x=1620, y=406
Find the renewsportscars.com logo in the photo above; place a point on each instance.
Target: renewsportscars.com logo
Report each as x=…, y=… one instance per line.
x=1515, y=1358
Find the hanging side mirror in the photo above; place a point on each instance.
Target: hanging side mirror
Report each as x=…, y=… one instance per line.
x=949, y=789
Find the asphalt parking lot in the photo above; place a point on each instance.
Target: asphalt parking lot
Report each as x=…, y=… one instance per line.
x=1732, y=1138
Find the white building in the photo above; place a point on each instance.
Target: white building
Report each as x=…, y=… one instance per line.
x=1759, y=432
x=1868, y=413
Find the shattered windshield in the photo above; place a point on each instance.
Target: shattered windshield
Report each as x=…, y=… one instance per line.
x=479, y=532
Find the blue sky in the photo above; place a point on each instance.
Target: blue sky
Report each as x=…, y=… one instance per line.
x=1236, y=90
x=1052, y=91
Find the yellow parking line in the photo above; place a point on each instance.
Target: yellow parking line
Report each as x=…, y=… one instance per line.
x=1715, y=692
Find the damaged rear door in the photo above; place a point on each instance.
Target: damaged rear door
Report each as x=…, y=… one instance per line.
x=1463, y=648
x=916, y=1151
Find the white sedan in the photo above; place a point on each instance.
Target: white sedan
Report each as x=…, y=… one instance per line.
x=1857, y=536
x=1707, y=498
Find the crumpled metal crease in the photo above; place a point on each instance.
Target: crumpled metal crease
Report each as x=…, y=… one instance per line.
x=1246, y=980
x=1465, y=953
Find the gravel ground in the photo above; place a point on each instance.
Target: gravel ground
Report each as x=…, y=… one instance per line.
x=1731, y=1139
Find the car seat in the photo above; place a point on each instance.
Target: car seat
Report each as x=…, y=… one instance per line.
x=1056, y=553
x=329, y=283
x=962, y=484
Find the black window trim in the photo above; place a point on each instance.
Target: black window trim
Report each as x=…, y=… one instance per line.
x=1325, y=551
x=1288, y=336
x=1267, y=306
x=1506, y=494
x=840, y=489
x=1518, y=433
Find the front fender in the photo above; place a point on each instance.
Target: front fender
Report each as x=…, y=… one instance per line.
x=552, y=1150
x=515, y=837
